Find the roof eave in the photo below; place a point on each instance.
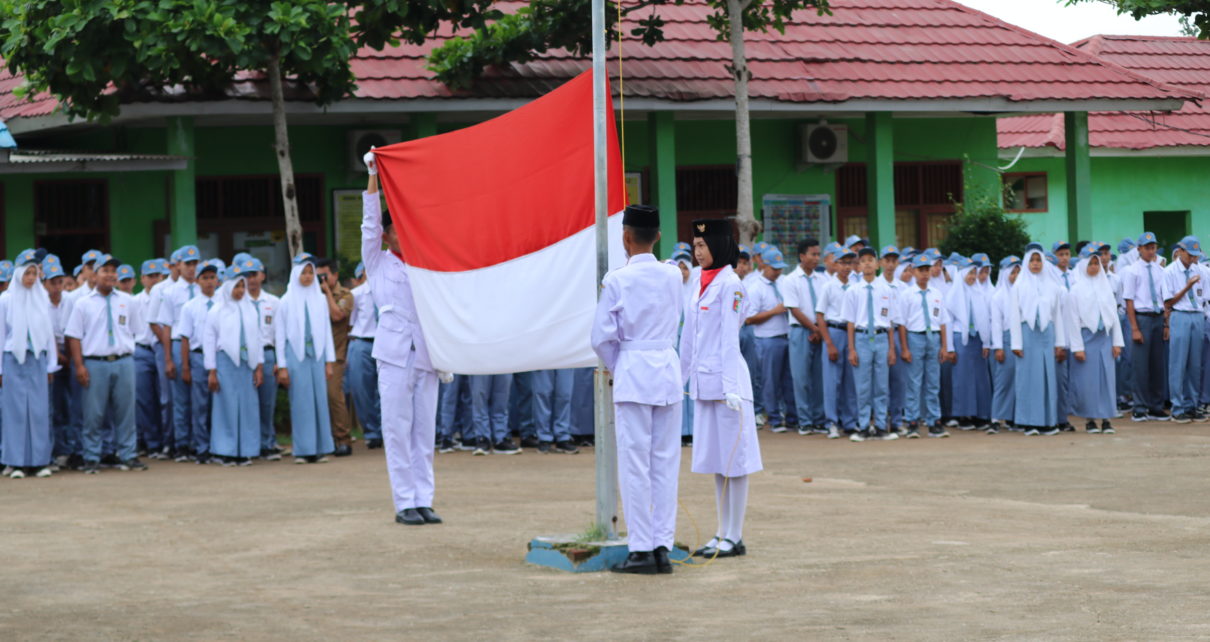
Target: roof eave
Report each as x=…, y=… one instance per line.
x=1175, y=151
x=93, y=165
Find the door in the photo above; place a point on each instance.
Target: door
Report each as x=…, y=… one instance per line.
x=704, y=192
x=1168, y=227
x=71, y=217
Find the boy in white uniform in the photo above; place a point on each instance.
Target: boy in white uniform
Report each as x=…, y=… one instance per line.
x=635, y=333
x=869, y=306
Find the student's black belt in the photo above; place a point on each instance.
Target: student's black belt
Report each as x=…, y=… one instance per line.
x=112, y=357
x=1148, y=314
x=366, y=339
x=922, y=331
x=876, y=331
x=838, y=326
x=198, y=350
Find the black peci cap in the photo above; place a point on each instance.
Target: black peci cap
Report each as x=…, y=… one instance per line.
x=641, y=216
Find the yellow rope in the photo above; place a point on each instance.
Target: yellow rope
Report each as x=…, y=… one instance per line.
x=621, y=90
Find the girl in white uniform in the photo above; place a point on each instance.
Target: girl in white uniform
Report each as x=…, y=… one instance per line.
x=1095, y=336
x=724, y=421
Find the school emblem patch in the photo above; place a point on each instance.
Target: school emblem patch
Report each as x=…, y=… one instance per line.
x=739, y=301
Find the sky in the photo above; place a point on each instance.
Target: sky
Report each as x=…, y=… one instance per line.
x=1053, y=19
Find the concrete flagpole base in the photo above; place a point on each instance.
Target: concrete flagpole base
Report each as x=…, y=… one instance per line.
x=570, y=553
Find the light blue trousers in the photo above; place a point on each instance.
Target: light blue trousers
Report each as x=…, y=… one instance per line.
x=922, y=401
x=872, y=379
x=1185, y=335
x=182, y=403
x=199, y=405
x=489, y=406
x=806, y=370
x=147, y=407
x=552, y=403
x=839, y=391
x=266, y=399
x=777, y=386
x=110, y=388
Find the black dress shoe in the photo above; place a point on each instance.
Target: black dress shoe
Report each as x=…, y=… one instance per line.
x=737, y=549
x=373, y=444
x=343, y=450
x=429, y=515
x=662, y=563
x=706, y=551
x=410, y=517
x=639, y=563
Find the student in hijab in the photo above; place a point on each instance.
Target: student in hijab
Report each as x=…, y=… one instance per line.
x=724, y=423
x=30, y=359
x=234, y=357
x=970, y=337
x=1004, y=362
x=1037, y=336
x=1095, y=335
x=305, y=352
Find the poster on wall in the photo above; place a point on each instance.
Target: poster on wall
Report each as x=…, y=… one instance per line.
x=789, y=218
x=346, y=219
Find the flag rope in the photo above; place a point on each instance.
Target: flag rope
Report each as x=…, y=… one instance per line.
x=622, y=93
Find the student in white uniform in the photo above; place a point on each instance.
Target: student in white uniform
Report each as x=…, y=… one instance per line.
x=168, y=317
x=839, y=390
x=306, y=353
x=190, y=328
x=67, y=448
x=146, y=378
x=362, y=372
x=724, y=424
x=868, y=310
x=768, y=315
x=634, y=334
x=1142, y=289
x=1095, y=336
x=922, y=328
x=233, y=356
x=801, y=293
x=1003, y=362
x=1183, y=297
x=100, y=335
x=407, y=381
x=266, y=305
x=162, y=347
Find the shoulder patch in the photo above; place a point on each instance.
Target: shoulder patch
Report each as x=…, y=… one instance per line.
x=738, y=301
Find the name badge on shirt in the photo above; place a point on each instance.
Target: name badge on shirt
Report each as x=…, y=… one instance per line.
x=936, y=312
x=884, y=312
x=268, y=318
x=121, y=319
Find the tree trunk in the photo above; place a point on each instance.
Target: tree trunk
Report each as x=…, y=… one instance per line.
x=289, y=195
x=745, y=218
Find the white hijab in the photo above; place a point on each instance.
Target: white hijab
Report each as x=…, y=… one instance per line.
x=962, y=301
x=1092, y=297
x=300, y=300
x=1029, y=290
x=28, y=312
x=226, y=316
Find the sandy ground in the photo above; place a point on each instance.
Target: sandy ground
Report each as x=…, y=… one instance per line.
x=1074, y=537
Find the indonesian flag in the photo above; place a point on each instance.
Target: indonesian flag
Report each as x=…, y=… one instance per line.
x=496, y=225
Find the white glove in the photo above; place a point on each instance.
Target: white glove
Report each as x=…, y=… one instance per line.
x=371, y=164
x=445, y=377
x=734, y=402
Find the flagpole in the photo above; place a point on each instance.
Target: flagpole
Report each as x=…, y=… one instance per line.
x=605, y=445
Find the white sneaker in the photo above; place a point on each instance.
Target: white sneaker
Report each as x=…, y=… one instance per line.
x=44, y=472
x=857, y=436
x=8, y=471
x=17, y=474
x=779, y=429
x=762, y=419
x=833, y=432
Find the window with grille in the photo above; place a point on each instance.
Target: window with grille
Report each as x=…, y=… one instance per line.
x=255, y=197
x=1025, y=192
x=71, y=217
x=925, y=194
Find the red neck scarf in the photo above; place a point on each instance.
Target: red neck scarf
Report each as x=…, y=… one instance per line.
x=707, y=278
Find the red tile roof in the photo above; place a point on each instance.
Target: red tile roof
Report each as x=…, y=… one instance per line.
x=904, y=51
x=1180, y=62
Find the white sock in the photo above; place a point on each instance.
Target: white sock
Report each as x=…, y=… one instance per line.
x=720, y=500
x=737, y=501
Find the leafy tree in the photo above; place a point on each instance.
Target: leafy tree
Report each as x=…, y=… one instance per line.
x=564, y=24
x=981, y=224
x=95, y=55
x=1194, y=14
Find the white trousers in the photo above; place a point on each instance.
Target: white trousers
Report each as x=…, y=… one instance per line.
x=649, y=464
x=409, y=424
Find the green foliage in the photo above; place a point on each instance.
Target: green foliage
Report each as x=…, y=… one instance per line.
x=980, y=224
x=1195, y=14
x=565, y=24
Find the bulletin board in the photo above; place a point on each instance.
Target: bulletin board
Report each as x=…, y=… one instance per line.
x=789, y=218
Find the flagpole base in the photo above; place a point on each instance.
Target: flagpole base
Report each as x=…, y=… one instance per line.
x=570, y=553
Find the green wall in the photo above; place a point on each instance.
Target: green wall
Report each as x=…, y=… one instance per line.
x=1122, y=189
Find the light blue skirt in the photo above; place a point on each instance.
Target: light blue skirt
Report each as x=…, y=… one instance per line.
x=234, y=411
x=1093, y=382
x=1003, y=384
x=310, y=423
x=1036, y=392
x=972, y=381
x=25, y=407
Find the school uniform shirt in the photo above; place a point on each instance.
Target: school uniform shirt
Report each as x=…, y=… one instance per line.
x=174, y=303
x=831, y=301
x=193, y=320
x=1137, y=283
x=921, y=314
x=266, y=308
x=796, y=292
x=763, y=295
x=157, y=298
x=58, y=321
x=634, y=331
x=856, y=304
x=392, y=293
x=105, y=325
x=1000, y=318
x=365, y=315
x=1175, y=278
x=143, y=334
x=896, y=286
x=710, y=359
x=1091, y=306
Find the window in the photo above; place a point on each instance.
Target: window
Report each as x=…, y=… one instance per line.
x=71, y=217
x=704, y=192
x=1025, y=192
x=925, y=194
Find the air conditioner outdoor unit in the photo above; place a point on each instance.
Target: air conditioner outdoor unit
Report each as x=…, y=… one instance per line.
x=360, y=141
x=824, y=144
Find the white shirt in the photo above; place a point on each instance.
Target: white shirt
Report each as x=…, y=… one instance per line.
x=14, y=344
x=1174, y=281
x=392, y=292
x=58, y=318
x=143, y=334
x=796, y=288
x=1000, y=302
x=364, y=321
x=912, y=309
x=157, y=298
x=766, y=295
x=193, y=320
x=896, y=286
x=1136, y=286
x=711, y=362
x=266, y=307
x=174, y=302
x=635, y=329
x=856, y=304
x=90, y=324
x=831, y=300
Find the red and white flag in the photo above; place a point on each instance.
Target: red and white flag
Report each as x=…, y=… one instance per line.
x=496, y=224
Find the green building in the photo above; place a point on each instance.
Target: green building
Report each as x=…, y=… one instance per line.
x=871, y=121
x=1149, y=170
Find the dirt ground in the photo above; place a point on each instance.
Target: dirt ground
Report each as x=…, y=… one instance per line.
x=1074, y=537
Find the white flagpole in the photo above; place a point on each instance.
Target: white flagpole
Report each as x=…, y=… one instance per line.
x=605, y=448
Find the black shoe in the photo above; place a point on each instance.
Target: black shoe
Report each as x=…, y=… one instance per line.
x=1092, y=428
x=203, y=458
x=132, y=464
x=913, y=431
x=566, y=447
x=938, y=432
x=701, y=552
x=373, y=444
x=410, y=517
x=639, y=563
x=544, y=447
x=586, y=441
x=993, y=428
x=91, y=467
x=343, y=450
x=482, y=447
x=75, y=462
x=737, y=549
x=506, y=447
x=662, y=563
x=1158, y=415
x=1049, y=431
x=1107, y=428
x=1182, y=418
x=530, y=442
x=429, y=515
x=447, y=446
x=1139, y=416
